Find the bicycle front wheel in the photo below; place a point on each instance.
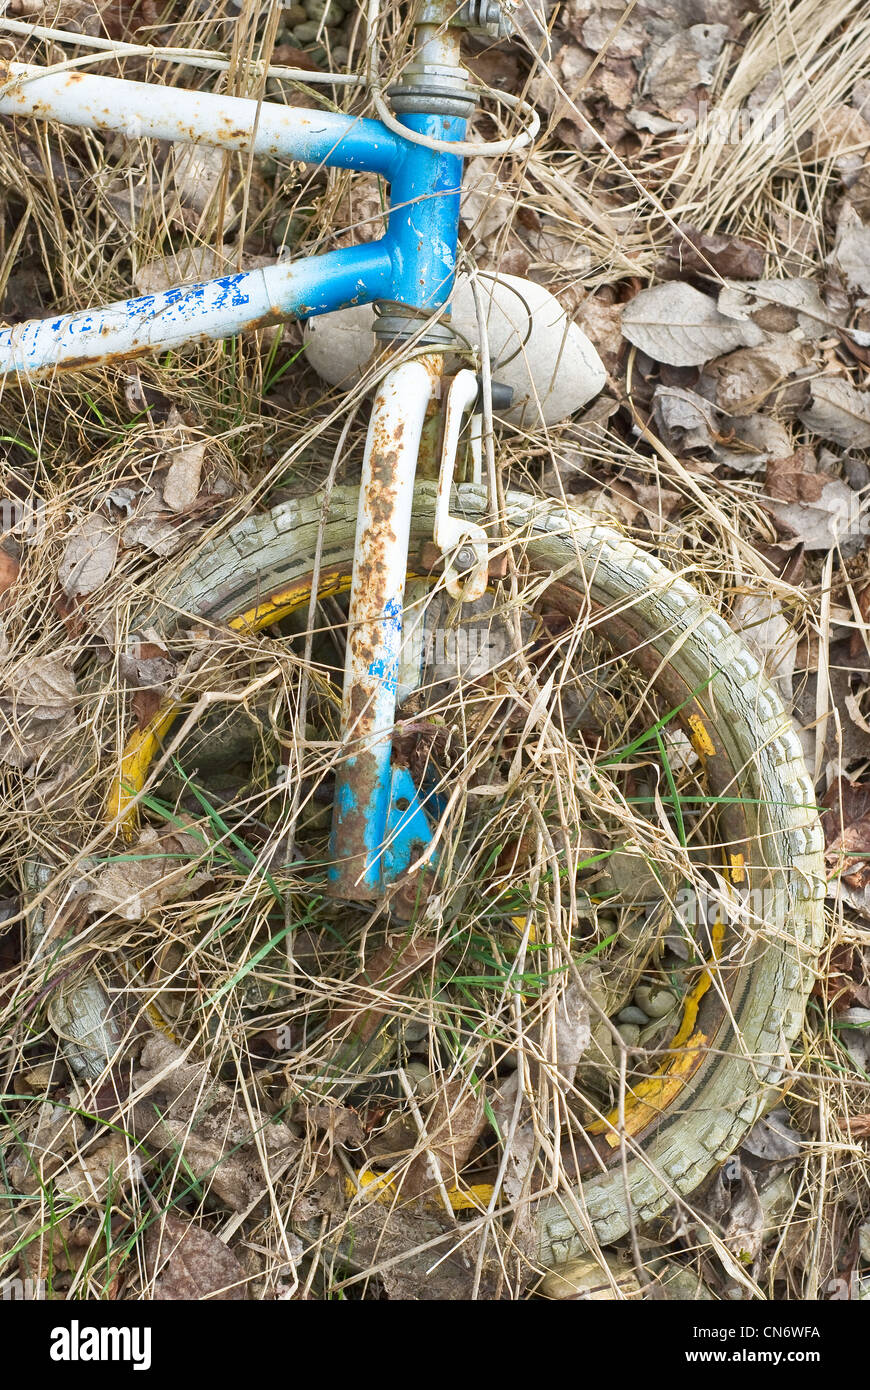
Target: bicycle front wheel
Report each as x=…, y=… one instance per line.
x=616, y=783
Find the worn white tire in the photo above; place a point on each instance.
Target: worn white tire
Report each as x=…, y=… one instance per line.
x=745, y=1058
x=730, y=1089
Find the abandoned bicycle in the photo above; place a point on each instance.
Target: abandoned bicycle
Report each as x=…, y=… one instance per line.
x=592, y=682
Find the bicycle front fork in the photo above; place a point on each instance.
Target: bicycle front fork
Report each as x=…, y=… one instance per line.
x=379, y=826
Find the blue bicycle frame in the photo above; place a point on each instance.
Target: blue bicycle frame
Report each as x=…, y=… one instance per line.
x=412, y=265
x=379, y=824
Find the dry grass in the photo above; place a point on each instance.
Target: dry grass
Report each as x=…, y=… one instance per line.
x=248, y=968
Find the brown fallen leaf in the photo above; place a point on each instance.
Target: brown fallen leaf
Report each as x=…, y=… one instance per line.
x=845, y=982
x=189, y=1263
x=156, y=870
x=182, y=1108
x=58, y=1152
x=181, y=484
x=36, y=707
x=153, y=528
x=676, y=324
x=845, y=802
x=693, y=252
x=773, y=1138
x=747, y=379
x=9, y=568
x=839, y=411
x=683, y=63
x=849, y=853
x=851, y=253
x=454, y=1122
x=89, y=557
x=685, y=420
x=387, y=971
x=841, y=130
x=744, y=1227
x=764, y=627
x=818, y=508
x=416, y=1255
x=779, y=305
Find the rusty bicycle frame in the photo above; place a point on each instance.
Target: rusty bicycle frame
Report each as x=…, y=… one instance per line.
x=379, y=823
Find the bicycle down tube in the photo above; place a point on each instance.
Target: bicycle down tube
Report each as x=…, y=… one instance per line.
x=379, y=824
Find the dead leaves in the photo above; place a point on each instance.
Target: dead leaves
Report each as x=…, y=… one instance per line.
x=851, y=253
x=89, y=557
x=453, y=1125
x=838, y=411
x=814, y=506
x=155, y=871
x=184, y=1110
x=694, y=252
x=678, y=325
x=58, y=1150
x=181, y=484
x=9, y=569
x=36, y=706
x=187, y=1262
x=678, y=67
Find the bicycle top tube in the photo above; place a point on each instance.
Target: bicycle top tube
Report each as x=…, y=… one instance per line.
x=412, y=265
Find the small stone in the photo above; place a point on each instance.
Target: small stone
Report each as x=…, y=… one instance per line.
x=857, y=473
x=654, y=1000
x=420, y=1078
x=307, y=32
x=294, y=14
x=340, y=55
x=324, y=11
x=632, y=1014
x=630, y=1034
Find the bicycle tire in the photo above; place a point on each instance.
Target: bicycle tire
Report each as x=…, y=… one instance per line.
x=267, y=553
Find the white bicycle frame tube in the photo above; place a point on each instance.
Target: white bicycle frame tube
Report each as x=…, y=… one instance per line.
x=374, y=641
x=139, y=110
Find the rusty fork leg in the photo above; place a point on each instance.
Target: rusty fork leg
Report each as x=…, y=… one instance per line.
x=361, y=812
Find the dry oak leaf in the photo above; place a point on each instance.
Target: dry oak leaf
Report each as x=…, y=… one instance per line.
x=685, y=61
x=841, y=131
x=9, y=568
x=747, y=377
x=89, y=557
x=799, y=297
x=818, y=508
x=454, y=1123
x=676, y=324
x=189, y=1263
x=36, y=705
x=849, y=853
x=851, y=253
